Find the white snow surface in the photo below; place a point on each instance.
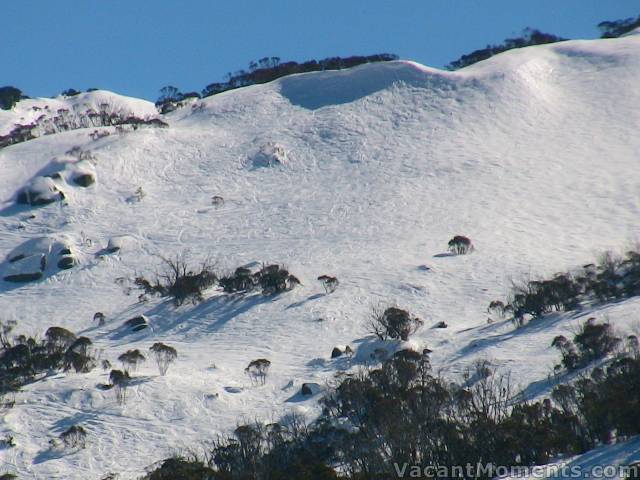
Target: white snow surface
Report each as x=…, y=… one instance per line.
x=37, y=110
x=533, y=154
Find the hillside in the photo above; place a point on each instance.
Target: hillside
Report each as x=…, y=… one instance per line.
x=364, y=174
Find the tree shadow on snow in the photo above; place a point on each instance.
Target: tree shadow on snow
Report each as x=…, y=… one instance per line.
x=309, y=299
x=208, y=316
x=444, y=255
x=531, y=328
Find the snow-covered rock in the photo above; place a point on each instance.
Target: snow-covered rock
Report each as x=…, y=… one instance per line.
x=40, y=191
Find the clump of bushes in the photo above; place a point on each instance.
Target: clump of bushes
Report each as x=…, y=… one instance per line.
x=375, y=421
x=179, y=282
x=9, y=96
x=612, y=278
x=394, y=323
x=271, y=279
x=529, y=37
x=594, y=341
x=270, y=68
x=23, y=359
x=617, y=28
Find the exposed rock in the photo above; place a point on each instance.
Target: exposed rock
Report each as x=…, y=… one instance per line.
x=136, y=324
x=336, y=352
x=26, y=269
x=40, y=191
x=310, y=389
x=37, y=257
x=66, y=262
x=84, y=179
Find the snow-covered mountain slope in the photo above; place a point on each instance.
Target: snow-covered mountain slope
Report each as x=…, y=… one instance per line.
x=363, y=174
x=45, y=116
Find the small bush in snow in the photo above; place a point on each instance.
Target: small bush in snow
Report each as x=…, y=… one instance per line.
x=497, y=309
x=595, y=340
x=131, y=359
x=100, y=318
x=9, y=96
x=78, y=356
x=460, y=245
x=120, y=382
x=164, y=356
x=394, y=323
x=272, y=279
x=257, y=370
x=329, y=283
x=74, y=437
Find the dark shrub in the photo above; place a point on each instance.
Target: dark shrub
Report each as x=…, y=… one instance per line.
x=570, y=358
x=183, y=469
x=272, y=279
x=74, y=437
x=460, y=245
x=612, y=278
x=99, y=317
x=131, y=359
x=529, y=37
x=617, y=28
x=59, y=338
x=497, y=308
x=242, y=280
x=9, y=96
x=71, y=92
x=257, y=370
x=275, y=279
x=78, y=357
x=394, y=323
x=329, y=283
x=120, y=381
x=595, y=340
x=179, y=282
x=270, y=68
x=164, y=356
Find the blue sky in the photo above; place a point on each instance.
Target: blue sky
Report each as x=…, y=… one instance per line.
x=135, y=47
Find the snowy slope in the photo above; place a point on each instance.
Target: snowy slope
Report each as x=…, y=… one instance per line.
x=533, y=154
x=42, y=111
